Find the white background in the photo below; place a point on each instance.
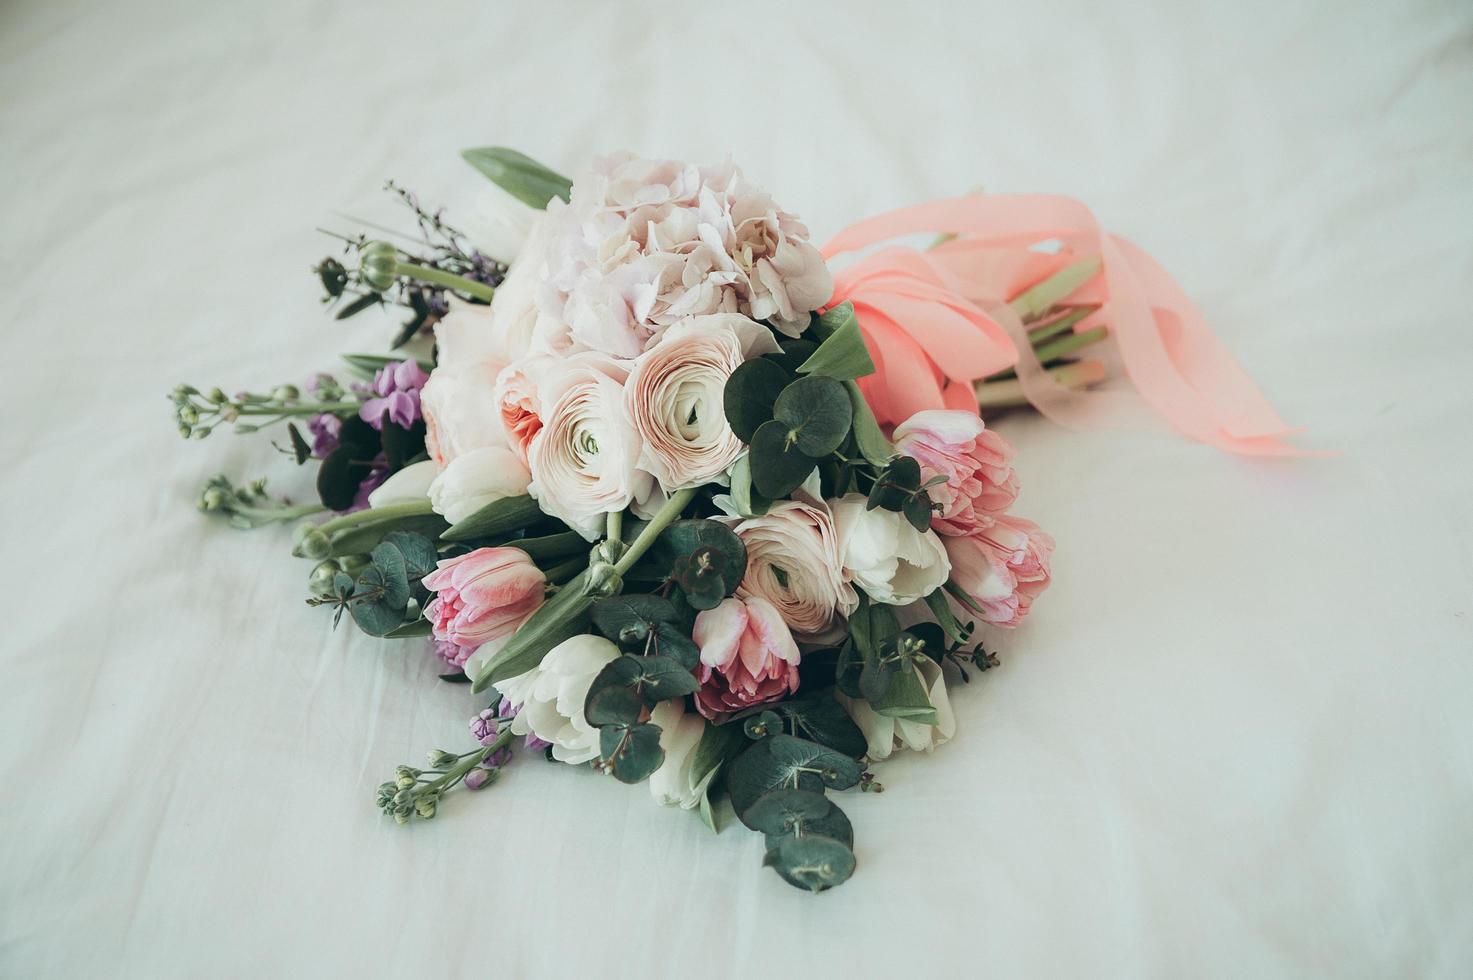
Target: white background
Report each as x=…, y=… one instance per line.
x=1236, y=739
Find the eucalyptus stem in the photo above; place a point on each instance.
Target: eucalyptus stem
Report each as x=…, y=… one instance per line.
x=669, y=512
x=449, y=280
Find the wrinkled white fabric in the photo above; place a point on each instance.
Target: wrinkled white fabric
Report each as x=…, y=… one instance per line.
x=1234, y=739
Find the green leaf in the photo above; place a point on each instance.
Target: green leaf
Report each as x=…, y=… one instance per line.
x=945, y=617
x=565, y=544
x=703, y=578
x=628, y=620
x=750, y=393
x=409, y=631
x=338, y=477
x=906, y=698
x=498, y=517
x=369, y=364
x=630, y=753
x=611, y=699
x=821, y=718
x=782, y=760
x=719, y=744
x=394, y=571
x=842, y=355
x=360, y=540
x=685, y=538
x=868, y=436
x=761, y=725
x=785, y=811
x=749, y=503
x=918, y=511
x=673, y=642
x=519, y=175
x=301, y=449
x=562, y=616
x=795, y=350
x=400, y=445
x=778, y=466
x=817, y=414
x=812, y=862
x=374, y=613
x=420, y=556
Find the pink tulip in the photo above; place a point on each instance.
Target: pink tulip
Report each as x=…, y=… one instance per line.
x=482, y=597
x=976, y=462
x=747, y=657
x=1003, y=567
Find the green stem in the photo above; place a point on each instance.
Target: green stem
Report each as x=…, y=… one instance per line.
x=1044, y=329
x=1036, y=301
x=464, y=766
x=391, y=512
x=662, y=519
x=1008, y=393
x=1055, y=349
x=266, y=515
x=308, y=408
x=616, y=525
x=447, y=279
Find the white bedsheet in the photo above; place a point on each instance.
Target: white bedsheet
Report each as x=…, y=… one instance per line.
x=1236, y=739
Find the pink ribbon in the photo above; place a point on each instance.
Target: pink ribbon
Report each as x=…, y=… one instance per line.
x=937, y=321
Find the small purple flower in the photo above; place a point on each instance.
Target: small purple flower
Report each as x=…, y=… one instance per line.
x=396, y=391
x=506, y=710
x=485, y=726
x=370, y=483
x=452, y=653
x=324, y=429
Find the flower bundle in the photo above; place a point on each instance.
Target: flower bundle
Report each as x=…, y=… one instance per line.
x=674, y=499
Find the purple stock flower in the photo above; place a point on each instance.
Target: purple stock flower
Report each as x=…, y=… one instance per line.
x=324, y=429
x=452, y=653
x=485, y=727
x=396, y=391
x=506, y=711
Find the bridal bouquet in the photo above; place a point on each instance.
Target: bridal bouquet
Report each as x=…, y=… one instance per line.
x=680, y=500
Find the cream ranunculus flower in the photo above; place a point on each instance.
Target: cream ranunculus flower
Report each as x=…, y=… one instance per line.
x=674, y=397
x=885, y=734
x=477, y=478
x=585, y=461
x=793, y=562
x=885, y=556
x=551, y=696
x=674, y=784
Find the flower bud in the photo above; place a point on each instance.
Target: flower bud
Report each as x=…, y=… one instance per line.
x=378, y=265
x=439, y=759
x=212, y=499
x=425, y=807
x=216, y=396
x=320, y=581
x=401, y=817
x=481, y=778
x=603, y=581
x=311, y=542
x=406, y=776
x=286, y=393
x=188, y=415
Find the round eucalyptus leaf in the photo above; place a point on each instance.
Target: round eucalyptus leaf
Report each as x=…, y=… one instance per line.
x=778, y=466
x=630, y=753
x=673, y=642
x=686, y=537
x=817, y=413
x=821, y=718
x=904, y=472
x=785, y=761
x=786, y=811
x=815, y=863
x=835, y=823
x=918, y=511
x=750, y=393
x=629, y=619
x=420, y=556
x=394, y=571
x=612, y=697
x=373, y=612
x=762, y=725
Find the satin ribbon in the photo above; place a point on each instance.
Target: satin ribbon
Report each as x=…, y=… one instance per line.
x=937, y=321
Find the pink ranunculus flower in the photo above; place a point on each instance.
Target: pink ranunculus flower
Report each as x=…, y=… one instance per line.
x=1003, y=567
x=483, y=597
x=976, y=462
x=748, y=657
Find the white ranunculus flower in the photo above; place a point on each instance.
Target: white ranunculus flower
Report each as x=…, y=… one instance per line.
x=673, y=784
x=674, y=397
x=472, y=480
x=885, y=556
x=585, y=460
x=793, y=562
x=551, y=696
x=406, y=486
x=885, y=734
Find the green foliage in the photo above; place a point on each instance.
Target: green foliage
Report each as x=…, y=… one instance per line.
x=786, y=761
x=646, y=624
x=749, y=503
x=704, y=557
x=301, y=449
x=750, y=394
x=812, y=862
x=630, y=753
x=519, y=175
x=778, y=466
x=761, y=725
x=817, y=414
x=842, y=355
x=498, y=517
x=869, y=438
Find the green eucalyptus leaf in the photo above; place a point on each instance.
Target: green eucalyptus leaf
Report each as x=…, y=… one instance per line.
x=719, y=744
x=409, y=631
x=778, y=466
x=672, y=641
x=394, y=571
x=843, y=354
x=628, y=620
x=795, y=351
x=817, y=414
x=519, y=175
x=686, y=538
x=420, y=556
x=498, y=517
x=820, y=717
x=750, y=393
x=812, y=862
x=786, y=811
x=761, y=725
x=749, y=503
x=630, y=753
x=918, y=511
x=782, y=760
x=373, y=612
x=611, y=700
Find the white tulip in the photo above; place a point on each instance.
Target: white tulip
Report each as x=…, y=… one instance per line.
x=552, y=695
x=500, y=224
x=472, y=480
x=406, y=486
x=680, y=732
x=885, y=734
x=885, y=556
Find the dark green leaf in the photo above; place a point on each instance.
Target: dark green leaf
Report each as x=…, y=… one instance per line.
x=498, y=517
x=782, y=760
x=785, y=811
x=918, y=511
x=400, y=445
x=719, y=744
x=301, y=449
x=630, y=753
x=821, y=718
x=338, y=477
x=420, y=557
x=565, y=544
x=795, y=352
x=761, y=725
x=842, y=355
x=749, y=503
x=687, y=537
x=361, y=540
x=750, y=393
x=612, y=700
x=672, y=641
x=817, y=414
x=364, y=302
x=418, y=628
x=905, y=697
x=778, y=467
x=373, y=614
x=394, y=571
x=812, y=862
x=519, y=175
